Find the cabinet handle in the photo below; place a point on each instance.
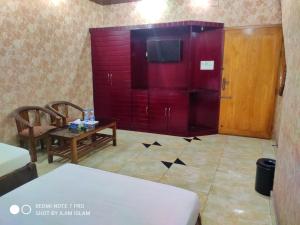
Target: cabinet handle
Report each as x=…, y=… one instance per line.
x=107, y=77
x=166, y=110
x=169, y=112
x=111, y=79
x=147, y=110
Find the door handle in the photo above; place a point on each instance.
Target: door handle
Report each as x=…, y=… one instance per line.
x=224, y=83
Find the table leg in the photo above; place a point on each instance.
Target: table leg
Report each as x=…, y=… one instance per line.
x=74, y=155
x=114, y=130
x=49, y=150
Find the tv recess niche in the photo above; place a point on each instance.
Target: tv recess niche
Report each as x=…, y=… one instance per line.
x=164, y=51
x=151, y=77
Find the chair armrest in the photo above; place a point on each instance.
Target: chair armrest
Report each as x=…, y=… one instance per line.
x=55, y=111
x=50, y=113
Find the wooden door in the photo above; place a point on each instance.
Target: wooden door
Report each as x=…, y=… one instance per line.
x=251, y=60
x=178, y=112
x=158, y=111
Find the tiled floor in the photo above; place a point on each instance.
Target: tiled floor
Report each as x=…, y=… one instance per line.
x=220, y=169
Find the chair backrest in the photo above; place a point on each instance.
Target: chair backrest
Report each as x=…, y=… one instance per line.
x=27, y=113
x=61, y=108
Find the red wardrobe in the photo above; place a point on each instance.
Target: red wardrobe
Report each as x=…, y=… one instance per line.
x=178, y=98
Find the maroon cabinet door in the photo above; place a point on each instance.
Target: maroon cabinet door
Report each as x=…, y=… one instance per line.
x=121, y=108
x=120, y=77
x=168, y=112
x=158, y=111
x=102, y=102
x=121, y=98
x=112, y=74
x=140, y=110
x=178, y=105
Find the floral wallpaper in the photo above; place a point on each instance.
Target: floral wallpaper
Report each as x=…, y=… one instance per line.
x=45, y=44
x=44, y=55
x=231, y=12
x=287, y=175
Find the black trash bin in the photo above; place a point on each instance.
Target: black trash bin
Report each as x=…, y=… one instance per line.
x=265, y=169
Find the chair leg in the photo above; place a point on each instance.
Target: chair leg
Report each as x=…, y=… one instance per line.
x=49, y=149
x=32, y=150
x=199, y=222
x=42, y=144
x=22, y=143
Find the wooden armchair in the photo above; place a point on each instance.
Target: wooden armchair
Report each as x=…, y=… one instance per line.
x=33, y=131
x=64, y=113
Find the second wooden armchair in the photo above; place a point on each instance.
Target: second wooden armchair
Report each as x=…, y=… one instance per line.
x=31, y=129
x=61, y=108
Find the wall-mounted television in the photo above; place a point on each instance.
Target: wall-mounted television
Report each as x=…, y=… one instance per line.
x=164, y=51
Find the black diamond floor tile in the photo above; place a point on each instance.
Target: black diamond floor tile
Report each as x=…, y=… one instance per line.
x=188, y=140
x=167, y=164
x=156, y=143
x=147, y=145
x=178, y=161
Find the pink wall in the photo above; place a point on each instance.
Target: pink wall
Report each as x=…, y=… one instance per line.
x=287, y=177
x=45, y=55
x=230, y=12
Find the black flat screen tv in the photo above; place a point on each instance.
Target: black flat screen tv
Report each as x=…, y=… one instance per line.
x=164, y=51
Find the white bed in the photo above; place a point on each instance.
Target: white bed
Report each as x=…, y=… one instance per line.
x=111, y=199
x=12, y=158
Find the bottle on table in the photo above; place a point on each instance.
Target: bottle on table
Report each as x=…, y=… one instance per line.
x=86, y=115
x=92, y=115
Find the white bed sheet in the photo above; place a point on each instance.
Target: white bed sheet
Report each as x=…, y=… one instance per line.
x=111, y=199
x=12, y=158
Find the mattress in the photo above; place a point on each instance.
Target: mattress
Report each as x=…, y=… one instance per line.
x=76, y=195
x=12, y=158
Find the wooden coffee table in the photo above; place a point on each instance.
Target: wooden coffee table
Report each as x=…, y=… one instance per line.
x=75, y=145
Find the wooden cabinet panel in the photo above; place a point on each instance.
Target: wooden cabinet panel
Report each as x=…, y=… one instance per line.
x=150, y=96
x=249, y=81
x=140, y=110
x=168, y=112
x=121, y=107
x=120, y=80
x=102, y=102
x=101, y=79
x=208, y=46
x=171, y=75
x=112, y=70
x=178, y=105
x=158, y=111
